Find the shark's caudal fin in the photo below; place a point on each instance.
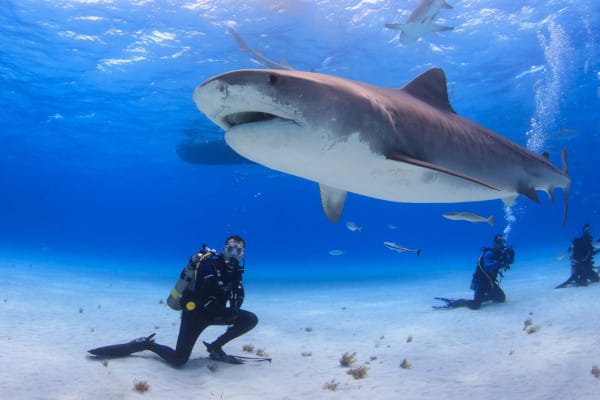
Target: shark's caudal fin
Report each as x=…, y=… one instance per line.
x=439, y=168
x=239, y=40
x=332, y=200
x=431, y=88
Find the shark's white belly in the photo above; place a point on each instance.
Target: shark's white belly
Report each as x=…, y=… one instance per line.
x=350, y=165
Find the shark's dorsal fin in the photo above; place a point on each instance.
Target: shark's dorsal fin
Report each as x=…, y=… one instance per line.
x=431, y=88
x=332, y=200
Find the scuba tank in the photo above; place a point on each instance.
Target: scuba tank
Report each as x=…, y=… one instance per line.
x=187, y=279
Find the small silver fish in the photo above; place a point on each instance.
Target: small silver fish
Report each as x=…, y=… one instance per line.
x=336, y=252
x=392, y=226
x=400, y=249
x=353, y=227
x=467, y=216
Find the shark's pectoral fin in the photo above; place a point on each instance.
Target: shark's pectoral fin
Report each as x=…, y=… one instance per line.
x=447, y=6
x=332, y=200
x=402, y=158
x=441, y=28
x=396, y=27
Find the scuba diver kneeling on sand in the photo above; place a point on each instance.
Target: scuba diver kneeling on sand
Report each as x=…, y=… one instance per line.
x=207, y=284
x=582, y=260
x=485, y=283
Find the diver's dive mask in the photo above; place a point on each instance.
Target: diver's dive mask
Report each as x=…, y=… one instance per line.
x=233, y=250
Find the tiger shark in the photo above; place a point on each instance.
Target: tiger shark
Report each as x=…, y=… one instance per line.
x=420, y=21
x=401, y=145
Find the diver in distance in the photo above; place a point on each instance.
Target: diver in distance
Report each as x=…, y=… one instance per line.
x=490, y=266
x=209, y=292
x=582, y=260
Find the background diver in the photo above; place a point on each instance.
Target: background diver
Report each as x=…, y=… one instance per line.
x=582, y=260
x=209, y=292
x=490, y=265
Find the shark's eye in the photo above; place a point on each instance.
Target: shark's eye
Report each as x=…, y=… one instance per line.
x=273, y=79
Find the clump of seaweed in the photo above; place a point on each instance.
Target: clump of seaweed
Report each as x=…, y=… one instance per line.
x=405, y=364
x=596, y=371
x=373, y=358
x=161, y=301
x=261, y=353
x=308, y=329
x=105, y=363
x=80, y=310
x=141, y=386
x=533, y=329
x=358, y=372
x=348, y=359
x=156, y=327
x=409, y=339
x=306, y=353
x=528, y=322
x=212, y=367
x=248, y=348
x=331, y=385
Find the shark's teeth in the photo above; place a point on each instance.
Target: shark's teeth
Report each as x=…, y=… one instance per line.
x=247, y=117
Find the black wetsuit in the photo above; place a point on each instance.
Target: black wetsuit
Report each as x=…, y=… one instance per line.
x=582, y=262
x=485, y=279
x=214, y=298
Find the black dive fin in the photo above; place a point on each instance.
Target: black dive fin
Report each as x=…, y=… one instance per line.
x=332, y=200
x=425, y=164
x=565, y=283
x=124, y=349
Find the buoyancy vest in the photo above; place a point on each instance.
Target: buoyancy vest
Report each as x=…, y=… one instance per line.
x=188, y=277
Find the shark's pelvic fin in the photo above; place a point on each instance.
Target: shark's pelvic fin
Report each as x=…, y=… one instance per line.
x=402, y=158
x=332, y=200
x=430, y=87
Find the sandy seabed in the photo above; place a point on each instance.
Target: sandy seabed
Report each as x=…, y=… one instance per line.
x=50, y=317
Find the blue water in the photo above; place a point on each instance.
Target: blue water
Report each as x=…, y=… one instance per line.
x=96, y=96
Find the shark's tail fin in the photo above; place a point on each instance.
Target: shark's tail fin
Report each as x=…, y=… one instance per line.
x=565, y=168
x=238, y=39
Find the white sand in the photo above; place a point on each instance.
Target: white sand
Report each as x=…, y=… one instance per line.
x=49, y=319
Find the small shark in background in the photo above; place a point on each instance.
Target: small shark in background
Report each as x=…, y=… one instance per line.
x=402, y=145
x=420, y=21
x=400, y=249
x=257, y=55
x=469, y=217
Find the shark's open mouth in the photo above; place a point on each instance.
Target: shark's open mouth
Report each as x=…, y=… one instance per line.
x=250, y=117
x=247, y=117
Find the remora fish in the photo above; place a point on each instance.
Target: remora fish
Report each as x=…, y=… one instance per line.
x=403, y=145
x=257, y=55
x=470, y=217
x=420, y=21
x=400, y=249
x=353, y=227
